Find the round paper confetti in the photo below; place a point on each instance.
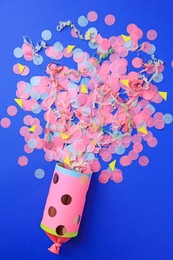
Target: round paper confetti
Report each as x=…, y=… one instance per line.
x=82, y=21
x=12, y=110
x=46, y=35
x=109, y=19
x=38, y=60
x=39, y=173
x=102, y=108
x=18, y=53
x=143, y=160
x=167, y=118
x=22, y=160
x=151, y=35
x=5, y=122
x=92, y=16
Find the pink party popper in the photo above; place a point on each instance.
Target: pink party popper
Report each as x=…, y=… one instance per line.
x=64, y=206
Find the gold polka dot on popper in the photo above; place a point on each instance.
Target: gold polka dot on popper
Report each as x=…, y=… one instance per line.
x=52, y=211
x=84, y=179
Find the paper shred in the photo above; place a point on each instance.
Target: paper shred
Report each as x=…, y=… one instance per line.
x=142, y=130
x=64, y=136
x=67, y=161
x=163, y=95
x=19, y=101
x=39, y=173
x=84, y=89
x=126, y=38
x=32, y=128
x=125, y=82
x=112, y=165
x=5, y=122
x=109, y=19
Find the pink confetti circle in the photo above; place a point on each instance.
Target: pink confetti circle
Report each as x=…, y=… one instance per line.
x=143, y=160
x=172, y=63
x=104, y=176
x=5, y=122
x=137, y=62
x=152, y=142
x=92, y=16
x=131, y=27
x=109, y=19
x=117, y=176
x=22, y=160
x=151, y=35
x=125, y=160
x=12, y=110
x=28, y=120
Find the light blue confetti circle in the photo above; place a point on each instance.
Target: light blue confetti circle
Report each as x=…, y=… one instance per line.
x=58, y=46
x=159, y=78
x=35, y=81
x=32, y=143
x=18, y=53
x=36, y=108
x=167, y=118
x=120, y=150
x=38, y=60
x=39, y=173
x=82, y=21
x=46, y=35
x=153, y=49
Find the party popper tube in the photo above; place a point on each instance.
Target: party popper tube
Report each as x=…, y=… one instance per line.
x=64, y=206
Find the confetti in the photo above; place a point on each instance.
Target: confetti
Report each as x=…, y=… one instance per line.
x=92, y=16
x=39, y=173
x=5, y=122
x=143, y=160
x=151, y=35
x=22, y=160
x=82, y=21
x=12, y=110
x=46, y=35
x=101, y=109
x=20, y=69
x=109, y=19
x=18, y=53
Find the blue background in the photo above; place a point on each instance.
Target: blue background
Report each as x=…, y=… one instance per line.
x=129, y=221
